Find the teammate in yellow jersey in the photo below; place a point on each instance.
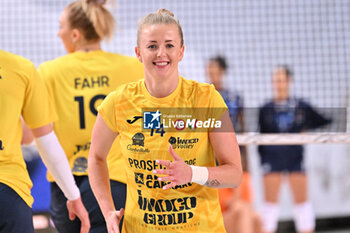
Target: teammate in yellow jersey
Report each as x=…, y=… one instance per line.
x=165, y=193
x=23, y=93
x=77, y=83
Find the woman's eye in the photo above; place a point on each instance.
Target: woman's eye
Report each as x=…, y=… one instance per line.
x=151, y=46
x=170, y=46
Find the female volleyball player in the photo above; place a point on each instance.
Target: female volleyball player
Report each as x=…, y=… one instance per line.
x=285, y=114
x=77, y=83
x=216, y=70
x=23, y=93
x=236, y=204
x=165, y=193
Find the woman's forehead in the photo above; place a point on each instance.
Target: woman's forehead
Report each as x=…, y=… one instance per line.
x=159, y=30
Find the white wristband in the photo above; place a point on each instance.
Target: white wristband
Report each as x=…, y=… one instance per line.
x=200, y=175
x=56, y=162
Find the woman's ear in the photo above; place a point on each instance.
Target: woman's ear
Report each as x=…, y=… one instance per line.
x=137, y=52
x=76, y=35
x=181, y=54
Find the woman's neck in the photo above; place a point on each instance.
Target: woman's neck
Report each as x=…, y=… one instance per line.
x=87, y=47
x=281, y=98
x=161, y=88
x=218, y=86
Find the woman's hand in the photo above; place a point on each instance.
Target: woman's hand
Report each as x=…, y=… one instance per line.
x=177, y=171
x=76, y=208
x=113, y=220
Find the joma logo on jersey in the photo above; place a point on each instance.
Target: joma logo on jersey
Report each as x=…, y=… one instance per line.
x=132, y=121
x=1, y=146
x=151, y=120
x=82, y=147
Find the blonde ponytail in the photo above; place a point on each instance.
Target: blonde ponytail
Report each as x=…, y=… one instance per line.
x=92, y=18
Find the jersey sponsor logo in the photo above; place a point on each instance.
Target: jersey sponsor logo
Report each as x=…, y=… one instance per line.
x=138, y=139
x=132, y=121
x=139, y=178
x=92, y=82
x=151, y=120
x=82, y=147
x=165, y=212
x=150, y=165
x=147, y=165
x=137, y=150
x=152, y=182
x=80, y=165
x=138, y=142
x=178, y=143
x=1, y=146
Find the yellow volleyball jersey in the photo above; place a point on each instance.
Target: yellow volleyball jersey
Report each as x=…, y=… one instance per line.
x=21, y=93
x=186, y=208
x=77, y=83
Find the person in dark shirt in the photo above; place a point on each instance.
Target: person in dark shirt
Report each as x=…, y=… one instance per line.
x=216, y=69
x=236, y=204
x=286, y=114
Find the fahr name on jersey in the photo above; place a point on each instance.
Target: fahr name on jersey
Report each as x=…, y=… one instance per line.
x=92, y=82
